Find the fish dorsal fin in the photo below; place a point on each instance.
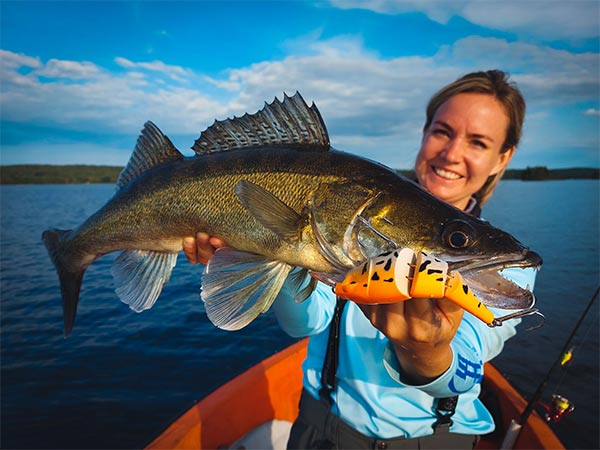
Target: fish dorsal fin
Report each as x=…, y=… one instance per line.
x=151, y=149
x=290, y=123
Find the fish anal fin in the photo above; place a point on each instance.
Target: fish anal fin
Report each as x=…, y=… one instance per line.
x=238, y=286
x=151, y=149
x=270, y=211
x=288, y=123
x=140, y=276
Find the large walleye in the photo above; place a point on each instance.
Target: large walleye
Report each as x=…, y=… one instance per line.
x=271, y=187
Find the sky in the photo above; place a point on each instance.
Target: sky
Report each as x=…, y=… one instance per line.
x=79, y=79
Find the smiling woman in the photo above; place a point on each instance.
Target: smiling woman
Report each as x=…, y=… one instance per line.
x=472, y=129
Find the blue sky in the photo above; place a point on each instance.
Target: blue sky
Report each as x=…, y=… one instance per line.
x=79, y=79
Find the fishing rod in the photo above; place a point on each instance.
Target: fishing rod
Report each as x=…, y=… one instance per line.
x=515, y=426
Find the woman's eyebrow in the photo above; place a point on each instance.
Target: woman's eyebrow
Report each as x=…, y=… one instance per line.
x=448, y=127
x=481, y=136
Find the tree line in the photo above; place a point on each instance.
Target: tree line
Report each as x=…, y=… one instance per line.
x=83, y=174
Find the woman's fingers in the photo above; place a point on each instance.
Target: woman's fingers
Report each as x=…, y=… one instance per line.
x=200, y=249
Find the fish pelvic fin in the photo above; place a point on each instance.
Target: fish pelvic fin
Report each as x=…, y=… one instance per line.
x=238, y=286
x=290, y=123
x=151, y=149
x=269, y=210
x=302, y=284
x=140, y=276
x=70, y=280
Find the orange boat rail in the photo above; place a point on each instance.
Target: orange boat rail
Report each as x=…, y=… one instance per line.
x=271, y=390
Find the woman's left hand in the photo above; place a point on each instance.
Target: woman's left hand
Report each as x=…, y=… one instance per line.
x=420, y=330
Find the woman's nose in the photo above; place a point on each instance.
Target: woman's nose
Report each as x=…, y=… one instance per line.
x=453, y=150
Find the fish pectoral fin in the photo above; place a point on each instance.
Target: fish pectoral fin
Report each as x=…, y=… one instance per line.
x=238, y=286
x=140, y=276
x=269, y=210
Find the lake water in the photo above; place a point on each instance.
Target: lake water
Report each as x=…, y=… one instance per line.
x=122, y=377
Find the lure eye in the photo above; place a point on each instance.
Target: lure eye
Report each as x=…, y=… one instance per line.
x=458, y=235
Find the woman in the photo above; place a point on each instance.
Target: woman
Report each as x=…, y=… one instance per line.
x=399, y=367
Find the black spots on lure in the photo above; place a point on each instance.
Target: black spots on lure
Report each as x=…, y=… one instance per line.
x=388, y=264
x=375, y=277
x=389, y=280
x=364, y=269
x=465, y=288
x=424, y=265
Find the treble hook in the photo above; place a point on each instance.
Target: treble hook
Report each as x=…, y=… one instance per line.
x=526, y=312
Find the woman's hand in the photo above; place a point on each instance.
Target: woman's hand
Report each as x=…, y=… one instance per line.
x=200, y=248
x=420, y=329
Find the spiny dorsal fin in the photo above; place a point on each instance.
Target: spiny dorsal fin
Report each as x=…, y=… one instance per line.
x=151, y=149
x=290, y=123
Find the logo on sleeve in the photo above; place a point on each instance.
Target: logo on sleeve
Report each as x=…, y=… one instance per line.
x=468, y=373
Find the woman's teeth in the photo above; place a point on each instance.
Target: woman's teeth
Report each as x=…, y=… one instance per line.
x=446, y=174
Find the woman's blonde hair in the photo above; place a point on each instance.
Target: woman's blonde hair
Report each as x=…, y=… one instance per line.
x=495, y=83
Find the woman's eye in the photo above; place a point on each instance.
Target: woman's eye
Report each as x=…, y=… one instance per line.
x=479, y=144
x=440, y=132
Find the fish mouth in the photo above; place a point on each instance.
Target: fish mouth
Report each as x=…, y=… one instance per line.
x=484, y=277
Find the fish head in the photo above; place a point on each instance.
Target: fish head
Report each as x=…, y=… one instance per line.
x=471, y=246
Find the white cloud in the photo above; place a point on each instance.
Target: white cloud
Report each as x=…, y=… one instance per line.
x=592, y=112
x=548, y=20
x=11, y=60
x=545, y=75
x=371, y=105
x=75, y=70
x=175, y=72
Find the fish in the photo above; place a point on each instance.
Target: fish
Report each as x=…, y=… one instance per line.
x=288, y=205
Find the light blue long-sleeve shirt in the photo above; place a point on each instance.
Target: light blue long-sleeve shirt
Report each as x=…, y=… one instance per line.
x=370, y=395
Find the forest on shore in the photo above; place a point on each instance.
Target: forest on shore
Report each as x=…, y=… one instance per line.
x=84, y=174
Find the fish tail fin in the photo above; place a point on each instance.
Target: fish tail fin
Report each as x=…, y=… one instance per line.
x=70, y=280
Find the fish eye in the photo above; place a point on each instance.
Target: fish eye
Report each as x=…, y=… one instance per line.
x=458, y=235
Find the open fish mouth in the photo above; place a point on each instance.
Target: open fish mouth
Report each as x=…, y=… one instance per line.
x=484, y=277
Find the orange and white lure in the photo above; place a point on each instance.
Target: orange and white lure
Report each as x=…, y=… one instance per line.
x=401, y=274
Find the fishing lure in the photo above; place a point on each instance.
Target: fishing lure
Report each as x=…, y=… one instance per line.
x=401, y=274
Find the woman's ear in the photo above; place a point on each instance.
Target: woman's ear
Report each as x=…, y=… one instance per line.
x=503, y=160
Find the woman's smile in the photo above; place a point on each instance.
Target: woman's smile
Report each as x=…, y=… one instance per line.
x=446, y=174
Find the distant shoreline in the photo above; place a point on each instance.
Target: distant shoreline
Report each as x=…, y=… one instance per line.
x=84, y=174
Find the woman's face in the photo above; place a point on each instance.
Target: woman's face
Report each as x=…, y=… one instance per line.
x=461, y=147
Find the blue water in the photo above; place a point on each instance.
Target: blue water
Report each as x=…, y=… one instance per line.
x=122, y=377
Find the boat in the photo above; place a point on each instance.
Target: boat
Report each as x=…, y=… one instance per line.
x=255, y=410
